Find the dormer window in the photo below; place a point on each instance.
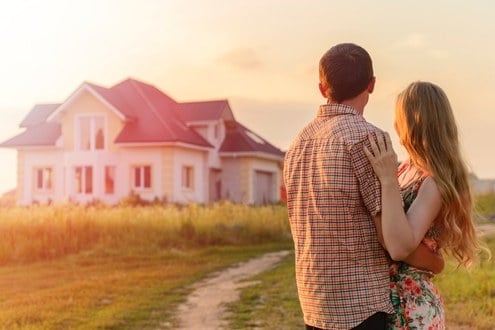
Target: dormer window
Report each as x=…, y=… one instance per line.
x=90, y=132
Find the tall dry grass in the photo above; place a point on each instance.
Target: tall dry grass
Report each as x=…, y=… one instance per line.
x=47, y=232
x=485, y=207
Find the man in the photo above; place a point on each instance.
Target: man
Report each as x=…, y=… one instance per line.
x=334, y=203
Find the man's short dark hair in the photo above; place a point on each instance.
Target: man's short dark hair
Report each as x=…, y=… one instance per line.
x=345, y=71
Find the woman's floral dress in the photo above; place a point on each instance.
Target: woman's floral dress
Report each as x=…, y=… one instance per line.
x=416, y=301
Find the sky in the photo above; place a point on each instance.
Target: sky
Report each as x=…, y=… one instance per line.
x=261, y=55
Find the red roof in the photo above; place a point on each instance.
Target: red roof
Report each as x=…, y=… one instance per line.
x=150, y=117
x=154, y=113
x=44, y=134
x=38, y=114
x=241, y=139
x=204, y=111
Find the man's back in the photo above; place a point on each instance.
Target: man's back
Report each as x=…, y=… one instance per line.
x=332, y=195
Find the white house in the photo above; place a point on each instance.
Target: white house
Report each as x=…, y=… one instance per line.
x=482, y=186
x=104, y=143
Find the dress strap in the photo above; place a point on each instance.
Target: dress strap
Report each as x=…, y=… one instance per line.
x=402, y=168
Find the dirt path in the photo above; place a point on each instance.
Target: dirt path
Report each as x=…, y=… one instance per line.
x=205, y=306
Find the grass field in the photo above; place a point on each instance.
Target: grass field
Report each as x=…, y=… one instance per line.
x=45, y=233
x=71, y=267
x=108, y=292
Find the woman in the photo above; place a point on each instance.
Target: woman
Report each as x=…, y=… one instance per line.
x=428, y=200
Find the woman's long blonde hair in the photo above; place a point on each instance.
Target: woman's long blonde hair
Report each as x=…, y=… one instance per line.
x=427, y=129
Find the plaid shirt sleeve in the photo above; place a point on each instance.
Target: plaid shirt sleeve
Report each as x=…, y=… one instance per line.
x=369, y=185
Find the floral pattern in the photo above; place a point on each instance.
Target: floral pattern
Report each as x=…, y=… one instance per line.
x=416, y=301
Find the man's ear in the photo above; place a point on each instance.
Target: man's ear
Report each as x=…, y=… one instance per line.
x=371, y=85
x=323, y=91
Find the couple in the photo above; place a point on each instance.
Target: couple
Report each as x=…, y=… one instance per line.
x=368, y=236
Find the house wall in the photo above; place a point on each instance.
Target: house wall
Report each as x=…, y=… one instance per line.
x=213, y=157
x=20, y=178
x=231, y=180
x=207, y=130
x=165, y=165
x=131, y=157
x=197, y=160
x=97, y=159
x=167, y=159
x=166, y=174
x=32, y=159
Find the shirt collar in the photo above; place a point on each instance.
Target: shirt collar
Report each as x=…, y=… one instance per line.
x=332, y=109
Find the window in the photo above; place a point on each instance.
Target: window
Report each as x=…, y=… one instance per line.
x=109, y=179
x=141, y=177
x=188, y=177
x=83, y=176
x=43, y=178
x=91, y=132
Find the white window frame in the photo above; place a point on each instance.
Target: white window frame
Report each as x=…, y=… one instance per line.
x=187, y=177
x=92, y=131
x=114, y=169
x=84, y=169
x=141, y=169
x=46, y=183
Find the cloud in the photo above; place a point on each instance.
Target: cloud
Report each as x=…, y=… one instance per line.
x=418, y=42
x=241, y=58
x=413, y=41
x=439, y=54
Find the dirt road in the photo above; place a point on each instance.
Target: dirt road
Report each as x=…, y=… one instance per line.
x=205, y=306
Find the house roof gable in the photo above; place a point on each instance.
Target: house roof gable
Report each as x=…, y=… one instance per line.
x=96, y=91
x=42, y=135
x=38, y=114
x=149, y=114
x=241, y=139
x=159, y=123
x=205, y=111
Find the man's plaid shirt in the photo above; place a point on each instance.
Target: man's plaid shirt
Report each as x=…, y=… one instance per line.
x=333, y=195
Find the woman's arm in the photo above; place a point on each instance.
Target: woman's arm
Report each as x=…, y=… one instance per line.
x=402, y=233
x=423, y=257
